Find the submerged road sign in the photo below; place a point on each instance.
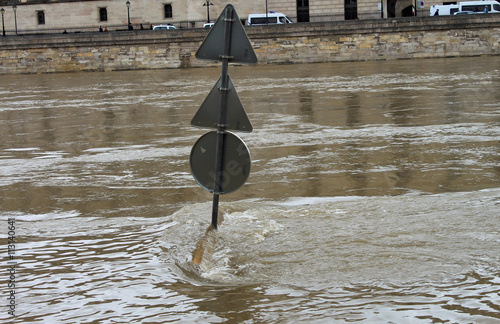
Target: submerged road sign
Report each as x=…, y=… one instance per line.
x=220, y=160
x=236, y=164
x=213, y=46
x=236, y=117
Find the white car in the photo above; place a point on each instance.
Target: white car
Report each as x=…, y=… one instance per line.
x=160, y=27
x=208, y=25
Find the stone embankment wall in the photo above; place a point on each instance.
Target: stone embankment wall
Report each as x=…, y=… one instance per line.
x=361, y=40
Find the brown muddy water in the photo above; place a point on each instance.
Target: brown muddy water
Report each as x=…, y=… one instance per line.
x=374, y=196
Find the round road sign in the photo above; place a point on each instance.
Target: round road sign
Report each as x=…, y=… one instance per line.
x=235, y=162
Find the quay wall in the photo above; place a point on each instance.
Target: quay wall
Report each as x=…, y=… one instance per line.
x=359, y=40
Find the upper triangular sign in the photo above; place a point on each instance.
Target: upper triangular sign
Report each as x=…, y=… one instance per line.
x=212, y=48
x=208, y=114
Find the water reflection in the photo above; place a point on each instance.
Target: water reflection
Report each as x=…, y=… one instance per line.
x=353, y=110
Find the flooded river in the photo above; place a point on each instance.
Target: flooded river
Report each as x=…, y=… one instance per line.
x=374, y=196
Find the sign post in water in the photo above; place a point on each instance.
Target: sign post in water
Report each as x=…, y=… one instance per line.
x=220, y=160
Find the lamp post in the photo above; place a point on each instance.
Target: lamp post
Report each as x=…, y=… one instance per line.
x=128, y=15
x=208, y=4
x=267, y=18
x=14, y=7
x=3, y=25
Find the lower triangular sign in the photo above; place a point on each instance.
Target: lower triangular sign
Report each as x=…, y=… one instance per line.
x=236, y=117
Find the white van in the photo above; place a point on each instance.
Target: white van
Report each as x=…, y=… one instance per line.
x=466, y=7
x=479, y=6
x=444, y=10
x=272, y=18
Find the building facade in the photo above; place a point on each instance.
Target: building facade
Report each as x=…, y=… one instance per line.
x=34, y=16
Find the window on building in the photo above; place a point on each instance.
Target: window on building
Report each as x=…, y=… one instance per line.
x=168, y=11
x=41, y=17
x=302, y=10
x=351, y=9
x=103, y=14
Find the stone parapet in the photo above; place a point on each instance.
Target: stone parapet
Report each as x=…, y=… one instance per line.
x=360, y=40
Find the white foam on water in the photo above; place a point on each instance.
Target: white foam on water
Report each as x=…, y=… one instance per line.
x=22, y=149
x=301, y=201
x=59, y=214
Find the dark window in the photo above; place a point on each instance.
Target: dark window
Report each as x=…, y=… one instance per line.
x=103, y=14
x=351, y=9
x=41, y=17
x=168, y=11
x=302, y=10
x=476, y=8
x=262, y=20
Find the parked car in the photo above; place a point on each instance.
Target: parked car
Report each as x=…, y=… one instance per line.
x=160, y=27
x=464, y=13
x=208, y=25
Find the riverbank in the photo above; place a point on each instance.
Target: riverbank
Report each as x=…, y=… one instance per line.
x=360, y=40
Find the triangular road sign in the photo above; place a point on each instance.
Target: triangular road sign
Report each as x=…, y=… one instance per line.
x=208, y=114
x=212, y=48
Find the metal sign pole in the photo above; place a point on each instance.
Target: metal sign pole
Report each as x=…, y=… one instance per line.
x=221, y=125
x=220, y=161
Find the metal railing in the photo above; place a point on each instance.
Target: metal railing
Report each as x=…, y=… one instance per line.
x=110, y=28
x=179, y=24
